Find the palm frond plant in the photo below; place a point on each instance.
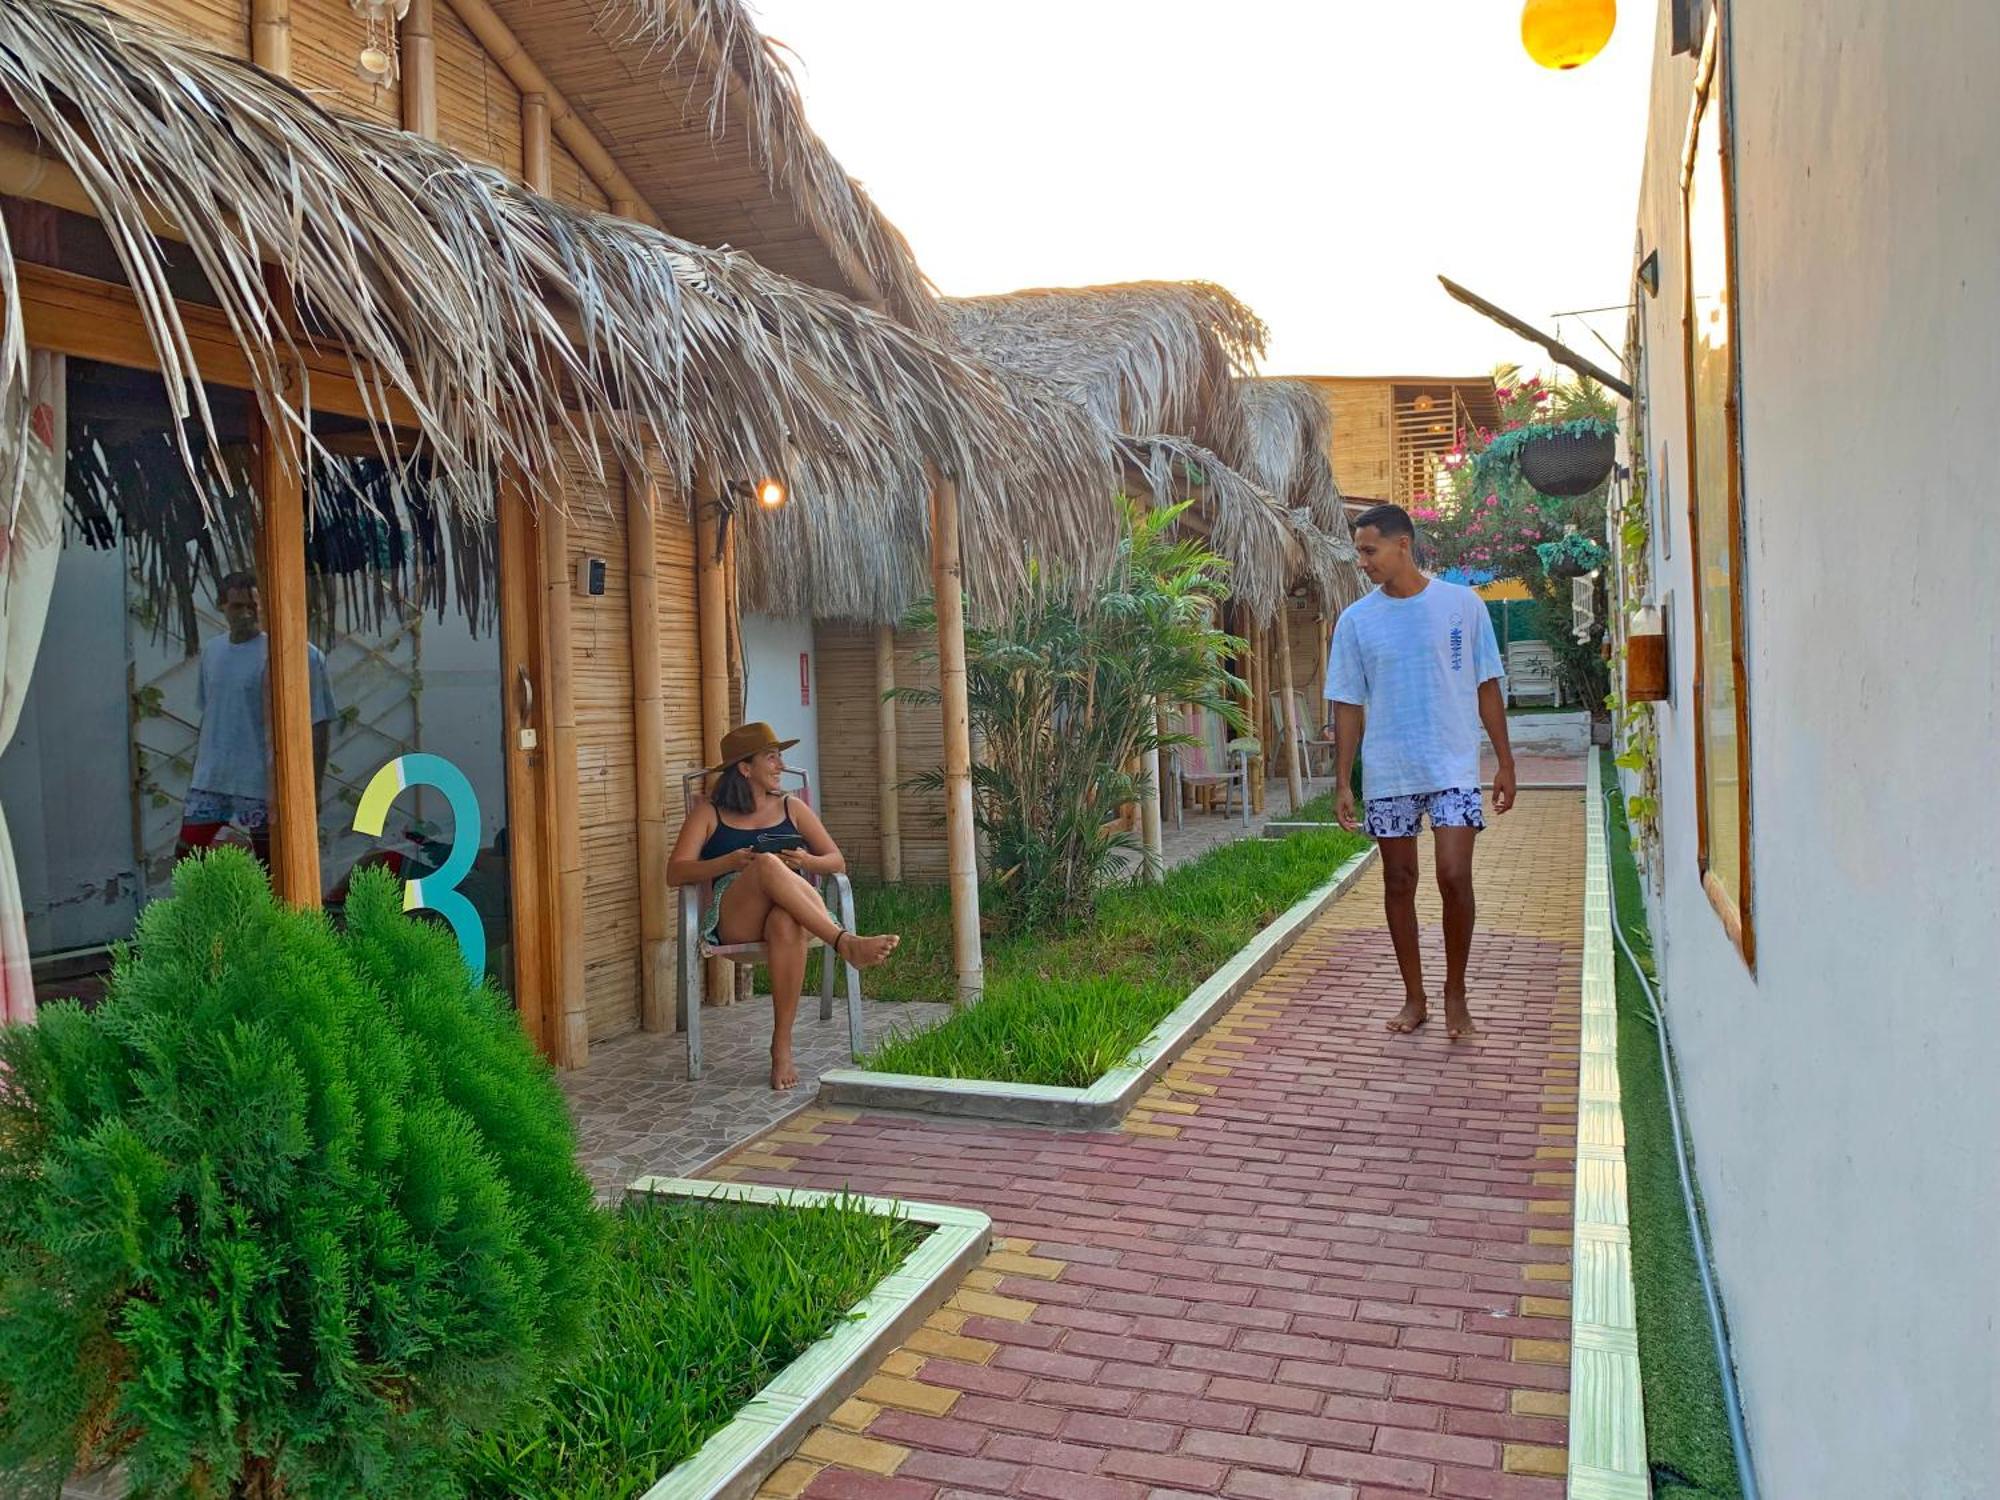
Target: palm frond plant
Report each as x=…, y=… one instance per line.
x=1065, y=692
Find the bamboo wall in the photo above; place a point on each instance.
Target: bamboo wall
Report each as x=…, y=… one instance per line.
x=479, y=109
x=844, y=657
x=1364, y=449
x=607, y=789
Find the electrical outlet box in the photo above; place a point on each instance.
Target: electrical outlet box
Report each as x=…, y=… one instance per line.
x=590, y=577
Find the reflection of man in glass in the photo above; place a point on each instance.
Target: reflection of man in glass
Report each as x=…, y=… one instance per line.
x=231, y=784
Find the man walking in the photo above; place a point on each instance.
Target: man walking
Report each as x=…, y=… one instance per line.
x=1415, y=667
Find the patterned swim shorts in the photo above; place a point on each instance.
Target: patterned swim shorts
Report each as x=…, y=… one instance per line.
x=1403, y=817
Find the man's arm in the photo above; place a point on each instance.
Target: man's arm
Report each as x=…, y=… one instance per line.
x=1493, y=714
x=1350, y=722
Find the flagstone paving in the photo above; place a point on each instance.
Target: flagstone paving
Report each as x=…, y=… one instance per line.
x=1319, y=1261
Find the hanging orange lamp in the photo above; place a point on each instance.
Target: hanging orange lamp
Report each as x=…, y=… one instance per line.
x=1566, y=34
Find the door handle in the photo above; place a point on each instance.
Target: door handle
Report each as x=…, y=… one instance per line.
x=526, y=737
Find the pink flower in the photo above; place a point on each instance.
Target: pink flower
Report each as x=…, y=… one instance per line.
x=1492, y=501
x=1504, y=393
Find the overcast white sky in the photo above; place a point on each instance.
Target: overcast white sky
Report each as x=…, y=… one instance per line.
x=1323, y=159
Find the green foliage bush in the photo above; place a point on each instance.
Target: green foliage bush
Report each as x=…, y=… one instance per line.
x=1065, y=691
x=294, y=1212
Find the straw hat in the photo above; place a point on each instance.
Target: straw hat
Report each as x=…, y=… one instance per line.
x=746, y=741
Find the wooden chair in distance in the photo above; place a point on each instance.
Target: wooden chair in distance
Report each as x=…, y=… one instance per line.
x=694, y=948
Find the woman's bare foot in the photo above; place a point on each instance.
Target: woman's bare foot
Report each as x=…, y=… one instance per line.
x=1458, y=1018
x=1414, y=1013
x=784, y=1072
x=865, y=952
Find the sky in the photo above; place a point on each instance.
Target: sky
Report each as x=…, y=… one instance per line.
x=1323, y=159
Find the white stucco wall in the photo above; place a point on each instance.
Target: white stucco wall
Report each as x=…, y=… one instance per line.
x=771, y=651
x=1845, y=1100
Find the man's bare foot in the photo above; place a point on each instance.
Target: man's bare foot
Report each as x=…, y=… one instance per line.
x=1458, y=1018
x=865, y=952
x=784, y=1072
x=1413, y=1014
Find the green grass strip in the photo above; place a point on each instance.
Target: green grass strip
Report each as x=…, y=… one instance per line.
x=1064, y=1010
x=701, y=1305
x=1687, y=1428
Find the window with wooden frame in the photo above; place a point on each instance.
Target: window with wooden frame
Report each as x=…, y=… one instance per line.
x=1715, y=499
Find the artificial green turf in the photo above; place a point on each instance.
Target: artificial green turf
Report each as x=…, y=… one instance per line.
x=700, y=1305
x=1066, y=1009
x=1687, y=1431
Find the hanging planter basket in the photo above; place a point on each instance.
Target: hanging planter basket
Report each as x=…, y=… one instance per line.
x=1564, y=465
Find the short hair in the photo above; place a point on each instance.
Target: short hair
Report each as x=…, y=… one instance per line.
x=1389, y=520
x=243, y=578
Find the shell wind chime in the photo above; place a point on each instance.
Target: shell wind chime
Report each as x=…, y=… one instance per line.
x=377, y=63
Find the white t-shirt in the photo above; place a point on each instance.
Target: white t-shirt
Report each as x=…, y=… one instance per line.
x=234, y=755
x=1415, y=665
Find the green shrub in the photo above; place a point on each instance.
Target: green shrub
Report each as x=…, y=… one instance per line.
x=292, y=1213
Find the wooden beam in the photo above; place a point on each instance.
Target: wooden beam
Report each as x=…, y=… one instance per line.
x=561, y=810
x=520, y=669
x=419, y=49
x=962, y=862
x=271, y=36
x=1561, y=353
x=649, y=728
x=1289, y=701
x=1253, y=681
x=887, y=755
x=568, y=127
x=281, y=591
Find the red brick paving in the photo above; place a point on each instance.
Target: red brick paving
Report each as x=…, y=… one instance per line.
x=1318, y=1287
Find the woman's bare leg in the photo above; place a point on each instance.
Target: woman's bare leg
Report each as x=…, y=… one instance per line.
x=768, y=882
x=785, y=941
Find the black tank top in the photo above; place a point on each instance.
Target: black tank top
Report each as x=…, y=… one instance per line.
x=727, y=840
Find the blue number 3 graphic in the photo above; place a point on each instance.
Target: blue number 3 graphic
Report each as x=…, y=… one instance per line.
x=439, y=892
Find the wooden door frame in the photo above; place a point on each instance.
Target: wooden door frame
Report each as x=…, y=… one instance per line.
x=83, y=318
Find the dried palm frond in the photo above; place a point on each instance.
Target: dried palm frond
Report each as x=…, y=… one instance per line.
x=510, y=324
x=1289, y=443
x=1246, y=526
x=1140, y=357
x=746, y=72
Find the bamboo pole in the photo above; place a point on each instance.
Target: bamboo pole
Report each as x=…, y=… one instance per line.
x=1253, y=680
x=718, y=984
x=271, y=36
x=281, y=580
x=568, y=127
x=521, y=669
x=419, y=49
x=948, y=586
x=562, y=813
x=649, y=729
x=1150, y=832
x=1288, y=699
x=888, y=772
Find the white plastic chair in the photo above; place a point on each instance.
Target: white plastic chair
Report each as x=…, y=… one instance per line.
x=694, y=948
x=1191, y=768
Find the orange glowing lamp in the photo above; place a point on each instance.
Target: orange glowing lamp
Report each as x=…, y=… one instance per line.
x=1565, y=34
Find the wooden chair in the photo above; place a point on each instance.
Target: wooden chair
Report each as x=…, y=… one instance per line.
x=1191, y=768
x=694, y=948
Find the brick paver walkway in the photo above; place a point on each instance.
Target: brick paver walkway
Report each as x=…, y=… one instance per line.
x=1319, y=1262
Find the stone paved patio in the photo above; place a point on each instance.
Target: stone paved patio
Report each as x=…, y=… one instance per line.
x=1319, y=1261
x=637, y=1114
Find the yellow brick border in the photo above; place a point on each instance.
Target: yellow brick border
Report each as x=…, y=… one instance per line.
x=1607, y=1421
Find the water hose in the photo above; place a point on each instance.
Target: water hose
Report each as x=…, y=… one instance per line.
x=1732, y=1400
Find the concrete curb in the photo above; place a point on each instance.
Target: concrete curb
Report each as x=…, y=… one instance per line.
x=733, y=1463
x=1104, y=1103
x=1607, y=1414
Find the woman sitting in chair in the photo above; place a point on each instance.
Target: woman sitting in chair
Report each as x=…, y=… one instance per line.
x=764, y=850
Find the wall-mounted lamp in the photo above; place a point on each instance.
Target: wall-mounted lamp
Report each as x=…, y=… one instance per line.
x=1649, y=273
x=771, y=494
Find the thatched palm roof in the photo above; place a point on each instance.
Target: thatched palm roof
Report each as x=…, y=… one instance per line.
x=1140, y=357
x=714, y=49
x=1288, y=445
x=508, y=323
